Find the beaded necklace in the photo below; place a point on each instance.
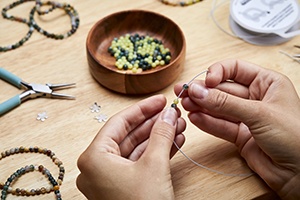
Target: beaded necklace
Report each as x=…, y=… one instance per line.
x=55, y=184
x=180, y=3
x=34, y=26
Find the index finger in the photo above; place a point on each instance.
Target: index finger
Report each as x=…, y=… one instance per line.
x=239, y=71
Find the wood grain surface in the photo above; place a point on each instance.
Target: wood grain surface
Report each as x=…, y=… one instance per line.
x=71, y=126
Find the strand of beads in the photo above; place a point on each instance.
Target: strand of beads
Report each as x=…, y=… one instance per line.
x=69, y=11
x=33, y=25
x=180, y=3
x=17, y=19
x=185, y=87
x=17, y=174
x=7, y=189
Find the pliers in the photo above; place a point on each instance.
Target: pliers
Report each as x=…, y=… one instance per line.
x=32, y=91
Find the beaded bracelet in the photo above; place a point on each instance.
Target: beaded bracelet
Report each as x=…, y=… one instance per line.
x=32, y=24
x=25, y=192
x=181, y=3
x=17, y=19
x=7, y=189
x=68, y=9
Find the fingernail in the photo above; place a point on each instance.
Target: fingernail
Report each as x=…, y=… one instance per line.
x=199, y=91
x=170, y=116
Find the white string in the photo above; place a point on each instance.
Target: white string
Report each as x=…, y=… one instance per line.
x=210, y=169
x=190, y=159
x=191, y=82
x=215, y=6
x=290, y=56
x=212, y=15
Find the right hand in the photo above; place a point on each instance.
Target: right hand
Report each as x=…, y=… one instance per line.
x=258, y=110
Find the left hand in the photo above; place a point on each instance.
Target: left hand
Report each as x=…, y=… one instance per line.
x=130, y=156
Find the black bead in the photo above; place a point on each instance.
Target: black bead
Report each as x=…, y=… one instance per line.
x=185, y=86
x=173, y=105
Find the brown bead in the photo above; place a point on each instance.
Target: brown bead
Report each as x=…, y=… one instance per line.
x=18, y=191
x=21, y=149
x=59, y=181
x=28, y=193
x=35, y=149
x=7, y=152
x=56, y=188
x=41, y=168
x=38, y=191
x=23, y=192
x=48, y=152
x=40, y=150
x=43, y=190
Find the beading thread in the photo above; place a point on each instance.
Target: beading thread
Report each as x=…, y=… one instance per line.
x=174, y=105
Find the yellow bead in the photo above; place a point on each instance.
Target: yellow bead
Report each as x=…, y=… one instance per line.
x=176, y=101
x=134, y=70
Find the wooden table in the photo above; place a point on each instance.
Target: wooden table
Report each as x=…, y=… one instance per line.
x=71, y=126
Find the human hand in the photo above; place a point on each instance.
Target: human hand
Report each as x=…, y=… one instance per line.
x=256, y=109
x=130, y=156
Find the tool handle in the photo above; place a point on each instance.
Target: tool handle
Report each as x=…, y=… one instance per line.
x=10, y=77
x=9, y=104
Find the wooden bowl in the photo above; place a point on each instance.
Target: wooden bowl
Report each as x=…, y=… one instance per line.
x=102, y=64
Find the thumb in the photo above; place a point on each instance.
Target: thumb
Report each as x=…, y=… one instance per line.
x=162, y=135
x=222, y=103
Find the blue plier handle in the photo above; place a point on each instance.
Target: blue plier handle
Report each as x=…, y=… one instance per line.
x=33, y=91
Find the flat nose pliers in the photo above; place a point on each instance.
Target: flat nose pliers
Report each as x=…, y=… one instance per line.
x=32, y=91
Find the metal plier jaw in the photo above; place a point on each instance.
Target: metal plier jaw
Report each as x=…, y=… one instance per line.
x=39, y=90
x=32, y=90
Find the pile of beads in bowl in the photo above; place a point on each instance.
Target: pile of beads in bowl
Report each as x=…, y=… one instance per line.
x=139, y=53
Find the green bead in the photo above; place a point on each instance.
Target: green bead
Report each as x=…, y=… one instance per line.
x=185, y=86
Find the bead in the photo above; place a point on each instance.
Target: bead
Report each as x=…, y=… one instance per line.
x=185, y=86
x=173, y=105
x=176, y=101
x=56, y=187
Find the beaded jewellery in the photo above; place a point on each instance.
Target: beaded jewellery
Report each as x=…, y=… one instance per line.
x=180, y=3
x=34, y=26
x=174, y=105
x=55, y=184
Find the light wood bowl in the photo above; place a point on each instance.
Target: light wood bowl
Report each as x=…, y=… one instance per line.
x=101, y=63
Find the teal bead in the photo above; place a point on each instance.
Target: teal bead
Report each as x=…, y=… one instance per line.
x=185, y=86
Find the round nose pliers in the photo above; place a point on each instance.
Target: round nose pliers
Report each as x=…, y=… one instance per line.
x=32, y=90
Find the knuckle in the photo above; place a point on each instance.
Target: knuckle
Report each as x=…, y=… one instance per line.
x=82, y=162
x=165, y=132
x=220, y=101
